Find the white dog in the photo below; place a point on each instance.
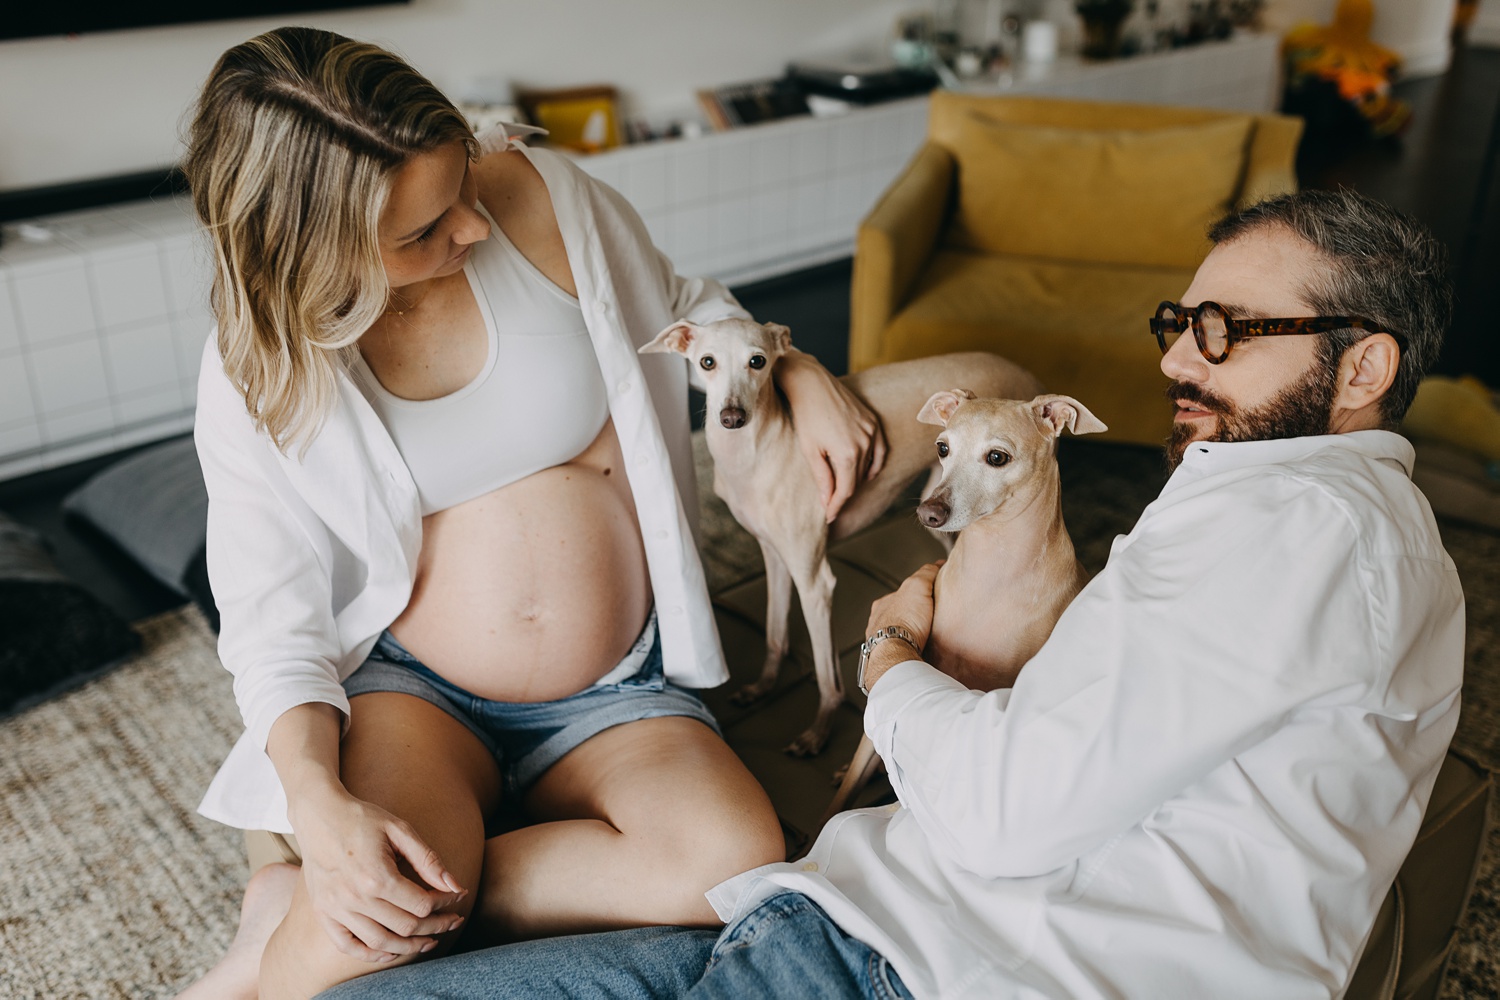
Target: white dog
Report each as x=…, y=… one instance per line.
x=762, y=476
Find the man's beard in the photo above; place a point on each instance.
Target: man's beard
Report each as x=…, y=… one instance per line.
x=1299, y=410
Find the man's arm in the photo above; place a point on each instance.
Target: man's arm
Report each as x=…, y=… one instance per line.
x=1191, y=647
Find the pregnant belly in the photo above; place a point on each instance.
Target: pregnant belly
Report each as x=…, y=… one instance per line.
x=534, y=591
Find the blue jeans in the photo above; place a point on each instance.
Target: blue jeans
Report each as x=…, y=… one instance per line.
x=786, y=947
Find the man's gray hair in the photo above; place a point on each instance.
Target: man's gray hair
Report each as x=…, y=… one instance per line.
x=1382, y=265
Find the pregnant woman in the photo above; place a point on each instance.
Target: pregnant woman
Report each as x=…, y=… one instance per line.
x=450, y=530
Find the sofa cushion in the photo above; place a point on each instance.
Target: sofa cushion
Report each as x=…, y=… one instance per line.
x=1080, y=328
x=1142, y=196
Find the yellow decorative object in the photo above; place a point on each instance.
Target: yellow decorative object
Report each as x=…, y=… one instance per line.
x=1078, y=322
x=1343, y=53
x=1459, y=412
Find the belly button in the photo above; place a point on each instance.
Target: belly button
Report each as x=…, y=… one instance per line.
x=608, y=470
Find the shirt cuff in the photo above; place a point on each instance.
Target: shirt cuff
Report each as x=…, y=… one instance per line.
x=909, y=683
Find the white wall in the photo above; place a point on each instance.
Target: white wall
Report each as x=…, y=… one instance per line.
x=112, y=103
x=1417, y=30
x=1485, y=29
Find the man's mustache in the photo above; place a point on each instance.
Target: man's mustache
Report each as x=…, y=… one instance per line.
x=1187, y=392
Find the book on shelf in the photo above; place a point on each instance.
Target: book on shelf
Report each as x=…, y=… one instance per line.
x=749, y=103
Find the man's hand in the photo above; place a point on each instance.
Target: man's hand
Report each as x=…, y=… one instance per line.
x=911, y=607
x=837, y=434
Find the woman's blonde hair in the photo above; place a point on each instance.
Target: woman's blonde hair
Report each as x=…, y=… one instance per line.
x=290, y=156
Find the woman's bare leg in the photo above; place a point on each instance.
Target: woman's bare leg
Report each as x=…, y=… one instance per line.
x=635, y=825
x=268, y=896
x=415, y=760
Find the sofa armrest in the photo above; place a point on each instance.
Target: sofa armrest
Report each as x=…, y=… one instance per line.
x=894, y=243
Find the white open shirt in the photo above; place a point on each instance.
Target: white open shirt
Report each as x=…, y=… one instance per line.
x=311, y=557
x=1205, y=781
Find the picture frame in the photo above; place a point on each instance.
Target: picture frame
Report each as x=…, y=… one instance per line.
x=584, y=119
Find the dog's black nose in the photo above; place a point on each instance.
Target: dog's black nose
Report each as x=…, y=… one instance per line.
x=932, y=513
x=732, y=417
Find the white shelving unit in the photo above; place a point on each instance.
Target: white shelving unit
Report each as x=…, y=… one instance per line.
x=101, y=326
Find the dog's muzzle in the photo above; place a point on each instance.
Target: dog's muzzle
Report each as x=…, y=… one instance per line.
x=732, y=417
x=933, y=512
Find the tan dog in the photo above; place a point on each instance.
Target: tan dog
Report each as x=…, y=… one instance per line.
x=761, y=474
x=1013, y=570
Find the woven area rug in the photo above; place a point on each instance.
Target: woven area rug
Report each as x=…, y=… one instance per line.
x=113, y=887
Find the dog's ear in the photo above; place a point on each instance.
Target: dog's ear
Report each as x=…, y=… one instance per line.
x=675, y=339
x=1059, y=413
x=781, y=336
x=940, y=406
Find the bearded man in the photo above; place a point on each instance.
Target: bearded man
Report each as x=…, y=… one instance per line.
x=1205, y=781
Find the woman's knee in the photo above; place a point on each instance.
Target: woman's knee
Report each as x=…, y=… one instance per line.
x=711, y=846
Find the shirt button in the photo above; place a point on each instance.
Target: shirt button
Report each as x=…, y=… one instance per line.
x=624, y=387
x=604, y=308
x=810, y=866
x=641, y=458
x=675, y=609
x=661, y=533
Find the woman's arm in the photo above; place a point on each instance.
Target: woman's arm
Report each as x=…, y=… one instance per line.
x=278, y=639
x=840, y=438
x=350, y=848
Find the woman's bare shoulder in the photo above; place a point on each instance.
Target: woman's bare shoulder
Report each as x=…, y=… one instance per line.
x=504, y=171
x=509, y=184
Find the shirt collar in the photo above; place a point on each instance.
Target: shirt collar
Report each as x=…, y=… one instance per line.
x=1206, y=458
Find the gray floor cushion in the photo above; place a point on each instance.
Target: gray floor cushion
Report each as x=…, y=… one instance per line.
x=153, y=505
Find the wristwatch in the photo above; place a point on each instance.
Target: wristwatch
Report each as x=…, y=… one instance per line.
x=876, y=638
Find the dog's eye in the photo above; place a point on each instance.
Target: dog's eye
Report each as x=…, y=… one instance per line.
x=706, y=362
x=997, y=458
x=942, y=449
x=757, y=361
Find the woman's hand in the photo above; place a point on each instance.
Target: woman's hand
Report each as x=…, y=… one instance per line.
x=839, y=436
x=351, y=850
x=911, y=607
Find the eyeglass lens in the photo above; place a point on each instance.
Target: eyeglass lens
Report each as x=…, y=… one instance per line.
x=1214, y=332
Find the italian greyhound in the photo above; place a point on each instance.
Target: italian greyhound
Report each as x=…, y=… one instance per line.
x=761, y=475
x=1012, y=571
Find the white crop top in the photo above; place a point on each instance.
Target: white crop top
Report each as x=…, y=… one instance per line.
x=538, y=401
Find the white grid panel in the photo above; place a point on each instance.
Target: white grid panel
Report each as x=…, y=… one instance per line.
x=767, y=199
x=101, y=327
x=100, y=331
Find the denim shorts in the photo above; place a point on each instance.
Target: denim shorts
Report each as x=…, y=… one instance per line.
x=526, y=738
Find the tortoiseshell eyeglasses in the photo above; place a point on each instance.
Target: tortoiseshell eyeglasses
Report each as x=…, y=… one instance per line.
x=1217, y=332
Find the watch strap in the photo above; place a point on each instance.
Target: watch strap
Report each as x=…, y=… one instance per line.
x=876, y=638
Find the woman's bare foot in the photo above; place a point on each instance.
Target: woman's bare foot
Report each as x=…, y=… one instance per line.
x=268, y=897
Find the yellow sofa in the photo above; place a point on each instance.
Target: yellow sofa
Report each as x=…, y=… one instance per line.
x=1048, y=230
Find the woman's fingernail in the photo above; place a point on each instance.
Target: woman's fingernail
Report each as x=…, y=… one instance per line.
x=428, y=946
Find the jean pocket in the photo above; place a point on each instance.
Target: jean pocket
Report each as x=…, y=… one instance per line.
x=884, y=983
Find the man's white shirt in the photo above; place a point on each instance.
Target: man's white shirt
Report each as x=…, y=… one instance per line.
x=1205, y=781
